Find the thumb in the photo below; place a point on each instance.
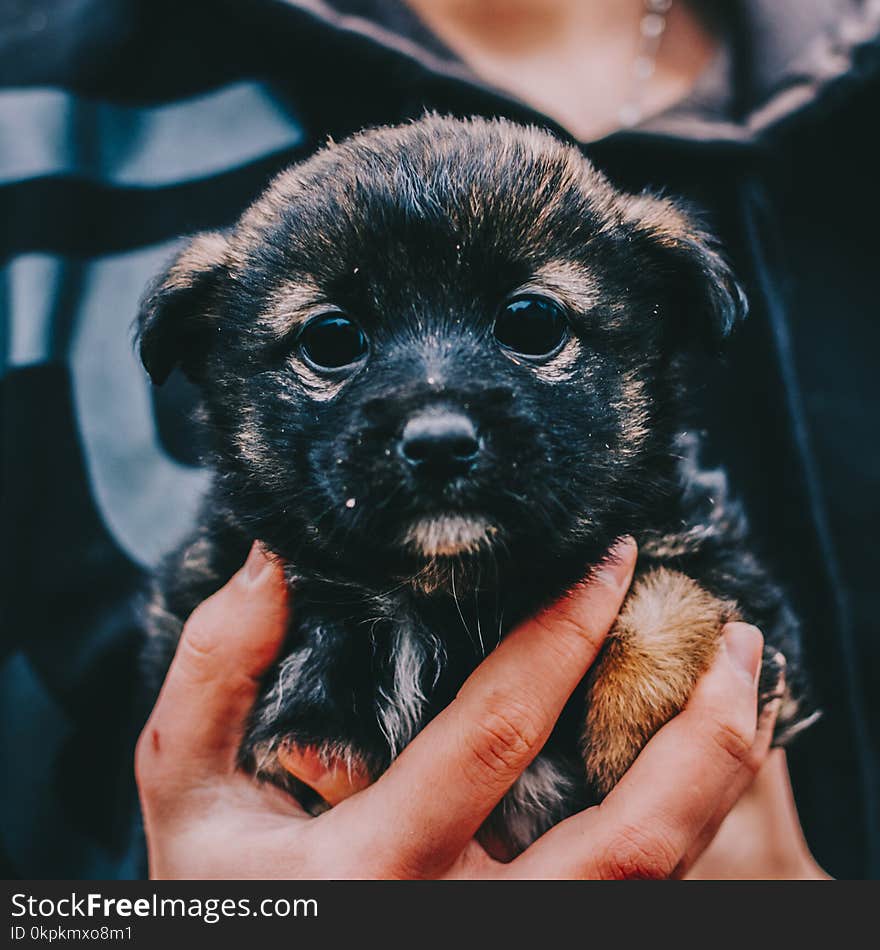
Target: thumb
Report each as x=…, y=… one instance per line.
x=225, y=647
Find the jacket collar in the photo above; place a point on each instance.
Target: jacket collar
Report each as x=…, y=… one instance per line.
x=801, y=53
x=789, y=57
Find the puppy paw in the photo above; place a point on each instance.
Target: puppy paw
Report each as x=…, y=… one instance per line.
x=778, y=682
x=664, y=639
x=318, y=776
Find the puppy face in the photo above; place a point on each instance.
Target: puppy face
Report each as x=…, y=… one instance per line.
x=439, y=342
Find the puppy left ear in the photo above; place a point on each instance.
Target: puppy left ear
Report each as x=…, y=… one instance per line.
x=175, y=319
x=703, y=289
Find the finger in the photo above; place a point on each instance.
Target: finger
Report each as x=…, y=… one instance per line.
x=333, y=779
x=745, y=777
x=227, y=644
x=452, y=775
x=656, y=812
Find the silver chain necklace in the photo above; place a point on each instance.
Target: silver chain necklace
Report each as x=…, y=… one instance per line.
x=652, y=26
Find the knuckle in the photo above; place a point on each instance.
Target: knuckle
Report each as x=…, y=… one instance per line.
x=199, y=635
x=200, y=648
x=633, y=853
x=753, y=761
x=505, y=739
x=734, y=740
x=752, y=765
x=569, y=632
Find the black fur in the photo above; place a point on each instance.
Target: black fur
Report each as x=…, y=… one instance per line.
x=420, y=233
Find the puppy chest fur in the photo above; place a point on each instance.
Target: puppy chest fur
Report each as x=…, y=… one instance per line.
x=442, y=369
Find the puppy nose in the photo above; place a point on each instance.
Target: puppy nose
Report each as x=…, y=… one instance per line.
x=441, y=442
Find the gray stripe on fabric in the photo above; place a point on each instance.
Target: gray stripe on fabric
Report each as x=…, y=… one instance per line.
x=50, y=132
x=28, y=292
x=147, y=500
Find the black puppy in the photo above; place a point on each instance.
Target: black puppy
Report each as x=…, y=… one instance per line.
x=441, y=368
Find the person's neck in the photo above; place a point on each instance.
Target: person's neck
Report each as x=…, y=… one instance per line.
x=514, y=27
x=572, y=59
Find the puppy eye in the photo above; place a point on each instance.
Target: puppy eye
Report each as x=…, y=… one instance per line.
x=531, y=326
x=332, y=341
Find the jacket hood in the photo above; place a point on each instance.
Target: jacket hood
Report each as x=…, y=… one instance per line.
x=789, y=58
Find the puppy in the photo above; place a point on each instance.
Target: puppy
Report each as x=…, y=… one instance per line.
x=442, y=371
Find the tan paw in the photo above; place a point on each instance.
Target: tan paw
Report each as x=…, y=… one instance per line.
x=663, y=641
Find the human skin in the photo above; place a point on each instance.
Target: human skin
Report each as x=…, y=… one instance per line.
x=761, y=838
x=205, y=818
x=571, y=59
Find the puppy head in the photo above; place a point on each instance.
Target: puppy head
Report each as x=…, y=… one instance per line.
x=437, y=341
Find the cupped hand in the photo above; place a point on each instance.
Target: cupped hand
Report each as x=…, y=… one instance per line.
x=205, y=818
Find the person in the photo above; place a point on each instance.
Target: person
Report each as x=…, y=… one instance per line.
x=125, y=125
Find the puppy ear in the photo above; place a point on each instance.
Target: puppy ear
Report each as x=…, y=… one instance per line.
x=703, y=289
x=175, y=321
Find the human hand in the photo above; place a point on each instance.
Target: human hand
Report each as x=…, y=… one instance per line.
x=761, y=838
x=205, y=818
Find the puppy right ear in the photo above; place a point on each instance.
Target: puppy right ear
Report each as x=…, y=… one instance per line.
x=175, y=319
x=705, y=299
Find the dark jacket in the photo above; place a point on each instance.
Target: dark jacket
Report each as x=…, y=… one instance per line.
x=126, y=123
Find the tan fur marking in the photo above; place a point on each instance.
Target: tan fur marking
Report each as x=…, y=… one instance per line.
x=663, y=641
x=203, y=253
x=660, y=217
x=448, y=535
x=632, y=411
x=572, y=283
x=563, y=366
x=291, y=304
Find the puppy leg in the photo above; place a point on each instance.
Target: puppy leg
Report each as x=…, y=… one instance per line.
x=665, y=637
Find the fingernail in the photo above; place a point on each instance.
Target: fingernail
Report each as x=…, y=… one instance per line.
x=744, y=645
x=617, y=567
x=256, y=564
